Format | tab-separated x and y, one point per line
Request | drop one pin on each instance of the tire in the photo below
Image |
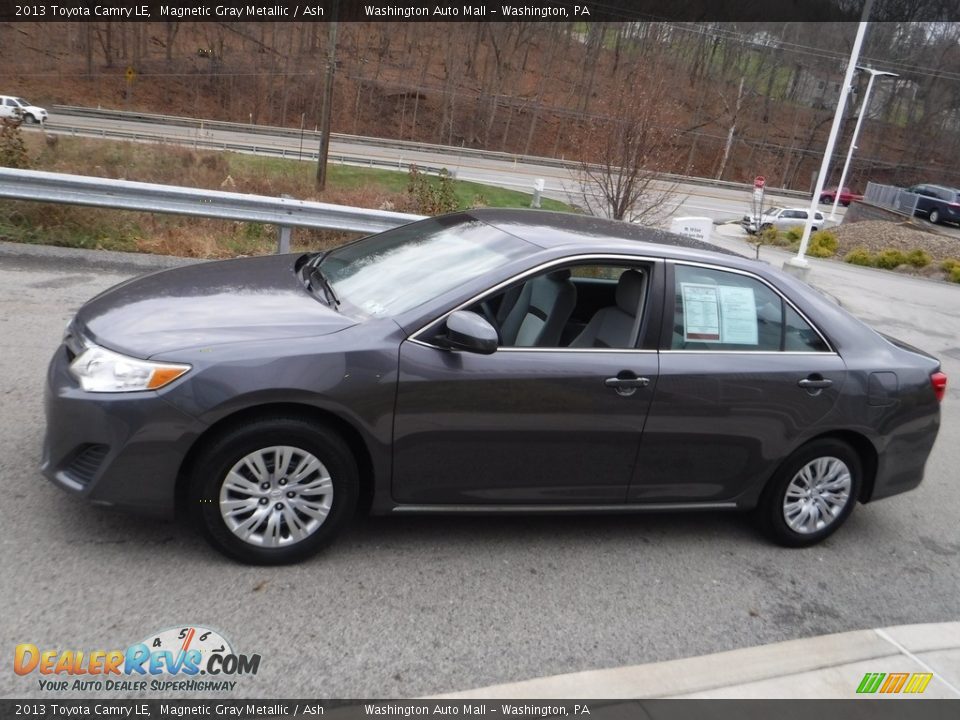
840	474
257	517
934	216
824	199
766	226
29	119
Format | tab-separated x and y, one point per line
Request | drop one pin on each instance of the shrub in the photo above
794	234
949	264
889	259
918	258
432	197
955	274
822	244
768	236
860	256
13	151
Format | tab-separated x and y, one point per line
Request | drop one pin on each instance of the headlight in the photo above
101	370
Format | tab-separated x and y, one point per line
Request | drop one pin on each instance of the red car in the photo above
846	196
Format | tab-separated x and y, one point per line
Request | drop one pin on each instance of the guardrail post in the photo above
283	240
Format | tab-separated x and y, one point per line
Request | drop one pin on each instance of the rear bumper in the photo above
901	466
116	449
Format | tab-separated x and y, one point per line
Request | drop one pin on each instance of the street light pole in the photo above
856	133
799	262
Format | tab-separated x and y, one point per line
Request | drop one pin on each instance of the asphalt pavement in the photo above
414	606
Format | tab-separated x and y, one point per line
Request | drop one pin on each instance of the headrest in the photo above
630	291
559	275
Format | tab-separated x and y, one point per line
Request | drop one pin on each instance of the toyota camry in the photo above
494	361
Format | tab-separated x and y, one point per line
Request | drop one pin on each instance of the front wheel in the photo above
824	199
274	491
811	494
30	119
934	216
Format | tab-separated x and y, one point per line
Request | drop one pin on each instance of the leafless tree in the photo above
621	159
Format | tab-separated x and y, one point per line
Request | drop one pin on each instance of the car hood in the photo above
208	304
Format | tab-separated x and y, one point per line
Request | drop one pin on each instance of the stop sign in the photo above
759	181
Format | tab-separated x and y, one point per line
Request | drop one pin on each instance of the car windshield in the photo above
773	210
398	270
23	103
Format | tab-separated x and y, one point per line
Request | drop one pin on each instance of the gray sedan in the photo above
486	362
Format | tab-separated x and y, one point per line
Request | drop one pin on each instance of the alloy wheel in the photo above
276	496
817	495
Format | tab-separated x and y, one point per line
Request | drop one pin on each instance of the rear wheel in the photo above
274	491
934	216
811	494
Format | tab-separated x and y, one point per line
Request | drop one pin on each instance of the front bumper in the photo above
117	449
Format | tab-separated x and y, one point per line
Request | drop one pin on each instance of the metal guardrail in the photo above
214	125
892	198
285	213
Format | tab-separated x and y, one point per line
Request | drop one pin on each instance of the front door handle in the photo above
626	383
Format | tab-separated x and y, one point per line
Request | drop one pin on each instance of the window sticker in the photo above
701	312
719	314
738	315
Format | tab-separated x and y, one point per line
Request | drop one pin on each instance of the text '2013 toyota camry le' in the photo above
490	361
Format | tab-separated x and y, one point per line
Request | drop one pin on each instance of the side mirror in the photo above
468	331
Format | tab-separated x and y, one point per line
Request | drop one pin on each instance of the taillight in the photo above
939	382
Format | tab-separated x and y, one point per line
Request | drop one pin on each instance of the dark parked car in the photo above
938	203
490	361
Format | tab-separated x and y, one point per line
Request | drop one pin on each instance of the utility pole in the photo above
326	106
799	263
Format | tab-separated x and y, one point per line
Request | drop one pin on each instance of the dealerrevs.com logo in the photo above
184	659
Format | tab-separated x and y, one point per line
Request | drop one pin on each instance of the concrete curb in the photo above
101	259
829	666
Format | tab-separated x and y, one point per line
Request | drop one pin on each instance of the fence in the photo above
890	197
285	213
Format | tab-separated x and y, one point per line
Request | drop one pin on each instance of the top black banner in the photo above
502	11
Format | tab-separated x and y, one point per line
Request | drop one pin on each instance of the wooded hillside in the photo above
532	87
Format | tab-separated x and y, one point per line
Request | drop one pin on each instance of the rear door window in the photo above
717	310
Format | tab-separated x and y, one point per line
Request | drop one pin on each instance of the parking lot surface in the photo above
411	606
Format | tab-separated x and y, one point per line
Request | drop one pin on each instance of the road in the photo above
409	606
561	184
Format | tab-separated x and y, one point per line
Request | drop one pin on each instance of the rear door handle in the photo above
626	383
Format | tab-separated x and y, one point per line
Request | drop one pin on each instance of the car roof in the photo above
549	229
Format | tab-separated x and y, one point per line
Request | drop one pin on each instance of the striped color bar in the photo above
893	683
918	682
870	683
